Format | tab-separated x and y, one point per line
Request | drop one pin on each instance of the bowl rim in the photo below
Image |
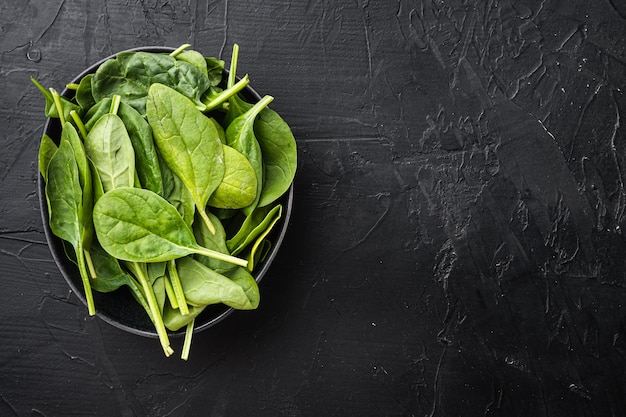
62	262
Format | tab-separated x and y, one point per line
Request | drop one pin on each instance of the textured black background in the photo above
457	242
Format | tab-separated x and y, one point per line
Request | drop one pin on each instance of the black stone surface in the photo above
457	243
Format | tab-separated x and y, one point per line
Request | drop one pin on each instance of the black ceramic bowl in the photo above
119	308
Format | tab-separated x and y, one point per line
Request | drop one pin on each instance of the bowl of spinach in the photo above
166	188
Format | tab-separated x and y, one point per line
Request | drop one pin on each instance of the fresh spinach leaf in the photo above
51	108
175	192
110	148
131	74
138	225
83	94
253	226
215	70
280	155
65	208
47	149
204	286
174	320
196	59
188	142
238	188
146	157
214	241
240	135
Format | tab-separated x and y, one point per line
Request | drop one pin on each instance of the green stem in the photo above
226	94
177	287
180	49
187	344
170	293
90	267
85	278
115	104
79	124
220	256
260	105
206	219
72	86
232	75
152	303
57	102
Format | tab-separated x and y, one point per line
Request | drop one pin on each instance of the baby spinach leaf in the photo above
188	142
240	135
138	225
109	147
158	288
130	75
256	251
174	320
70	135
254	225
194	58
220	130
238	188
175	192
51	108
214	241
47	149
83	96
203	286
65	208
64	195
98	110
215	70
146	158
246	281
278	147
110	275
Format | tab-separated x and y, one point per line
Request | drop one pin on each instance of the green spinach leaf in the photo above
280	155
188	142
238	188
65	208
131	74
138	225
47	149
110	148
203	286
240	135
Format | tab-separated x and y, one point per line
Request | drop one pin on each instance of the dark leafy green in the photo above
131	74
138	225
188	142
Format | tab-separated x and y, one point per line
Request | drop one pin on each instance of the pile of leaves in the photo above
165	180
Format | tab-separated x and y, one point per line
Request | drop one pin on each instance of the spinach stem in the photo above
80	259
220	256
206	219
90	267
79	124
57	102
180	49
152	303
226	94
187	343
260	105
177	287
232	74
170	293
72	86
115	104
